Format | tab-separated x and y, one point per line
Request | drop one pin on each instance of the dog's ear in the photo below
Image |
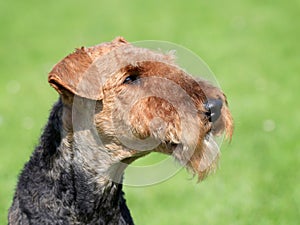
77	74
67	75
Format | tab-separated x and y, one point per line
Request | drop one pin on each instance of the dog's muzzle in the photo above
213	107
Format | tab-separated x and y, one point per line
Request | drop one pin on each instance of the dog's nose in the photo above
213	107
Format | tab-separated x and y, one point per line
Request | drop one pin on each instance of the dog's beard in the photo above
200	159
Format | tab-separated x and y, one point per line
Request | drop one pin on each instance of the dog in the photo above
117	103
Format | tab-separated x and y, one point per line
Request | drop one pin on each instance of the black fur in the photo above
63	195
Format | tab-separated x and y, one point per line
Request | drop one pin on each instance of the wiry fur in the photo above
101	123
54	188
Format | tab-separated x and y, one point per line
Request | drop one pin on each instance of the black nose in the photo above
213	107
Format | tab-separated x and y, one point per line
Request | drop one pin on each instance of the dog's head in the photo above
138	101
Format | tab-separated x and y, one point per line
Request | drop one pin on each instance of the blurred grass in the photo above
252	47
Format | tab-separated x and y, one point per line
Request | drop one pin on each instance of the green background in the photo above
252	47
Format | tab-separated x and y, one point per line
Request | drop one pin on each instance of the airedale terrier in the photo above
117	103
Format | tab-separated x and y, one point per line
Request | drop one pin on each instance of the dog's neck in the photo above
90	177
81	142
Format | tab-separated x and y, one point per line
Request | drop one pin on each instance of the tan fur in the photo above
163	112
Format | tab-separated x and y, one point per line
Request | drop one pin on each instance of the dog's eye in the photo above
131	79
